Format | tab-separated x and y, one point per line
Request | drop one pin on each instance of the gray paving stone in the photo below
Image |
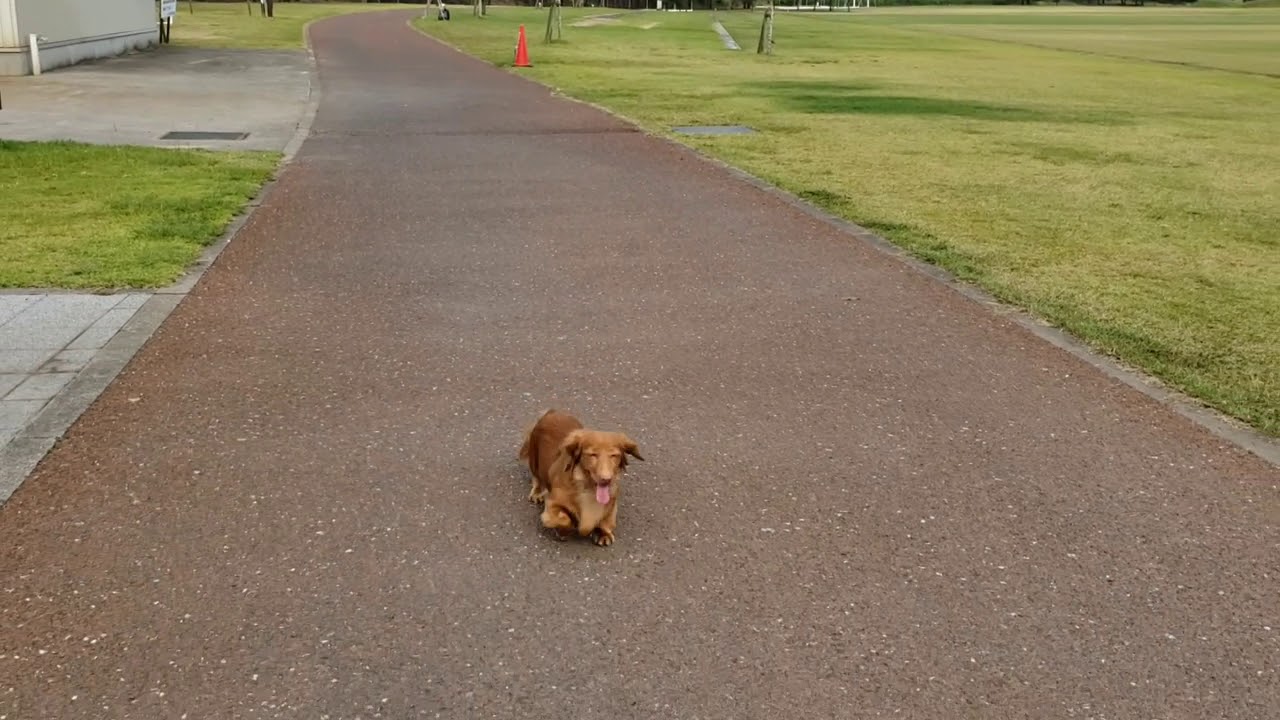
11	305
38	337
9	382
23	361
41	387
65	310
101	332
133	301
87	301
68	361
54	321
14	414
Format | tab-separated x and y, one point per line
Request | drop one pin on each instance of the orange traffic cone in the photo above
522	51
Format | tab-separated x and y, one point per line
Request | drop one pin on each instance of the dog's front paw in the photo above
556	518
603	538
537	496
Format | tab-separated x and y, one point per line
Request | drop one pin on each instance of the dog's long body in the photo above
575	473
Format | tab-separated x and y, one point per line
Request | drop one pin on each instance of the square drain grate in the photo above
203	135
714	130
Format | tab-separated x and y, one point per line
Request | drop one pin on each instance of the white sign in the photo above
168	8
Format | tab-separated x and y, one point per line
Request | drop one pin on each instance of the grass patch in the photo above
1240	40
1130	200
94	217
229	25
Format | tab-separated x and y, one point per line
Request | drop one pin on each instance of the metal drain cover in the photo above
203	135
714	130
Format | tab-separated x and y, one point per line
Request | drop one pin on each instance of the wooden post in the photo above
766	32
555	30
769	40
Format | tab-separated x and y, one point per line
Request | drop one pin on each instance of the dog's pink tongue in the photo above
602	494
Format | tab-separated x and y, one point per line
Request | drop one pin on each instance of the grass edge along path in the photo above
107	217
1194	356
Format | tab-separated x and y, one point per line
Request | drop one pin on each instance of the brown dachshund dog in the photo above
575	474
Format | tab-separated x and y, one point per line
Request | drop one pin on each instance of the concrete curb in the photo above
725	37
20	457
1217	423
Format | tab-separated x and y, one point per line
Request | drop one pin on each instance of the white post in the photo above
35	54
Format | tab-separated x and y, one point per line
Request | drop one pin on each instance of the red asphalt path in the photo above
864	496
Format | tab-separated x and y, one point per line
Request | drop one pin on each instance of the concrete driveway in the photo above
137	99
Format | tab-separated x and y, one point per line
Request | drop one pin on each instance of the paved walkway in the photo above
864	495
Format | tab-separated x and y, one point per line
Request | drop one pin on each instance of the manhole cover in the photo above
714	130
200	135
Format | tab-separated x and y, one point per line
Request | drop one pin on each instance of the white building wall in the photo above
62	20
73	30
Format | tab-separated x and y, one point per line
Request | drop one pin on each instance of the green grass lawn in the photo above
1243	40
100	217
1131	202
229	25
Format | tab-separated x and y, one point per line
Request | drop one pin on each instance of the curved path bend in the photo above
864	496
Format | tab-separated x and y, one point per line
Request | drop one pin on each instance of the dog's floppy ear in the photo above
629	447
572	446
